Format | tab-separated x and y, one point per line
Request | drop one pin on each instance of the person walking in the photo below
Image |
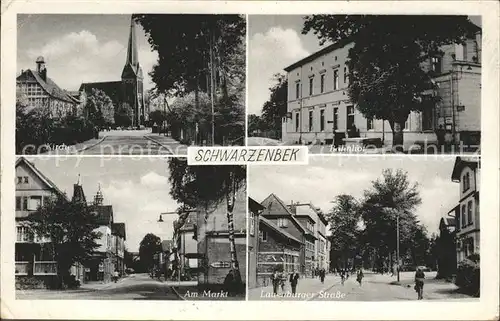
275	280
294	279
419	283
116	276
282	280
342	276
359	276
322	273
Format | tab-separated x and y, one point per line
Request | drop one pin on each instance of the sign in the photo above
220	265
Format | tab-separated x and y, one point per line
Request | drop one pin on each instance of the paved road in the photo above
125	142
134	287
375	287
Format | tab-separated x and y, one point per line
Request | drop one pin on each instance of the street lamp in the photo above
397	240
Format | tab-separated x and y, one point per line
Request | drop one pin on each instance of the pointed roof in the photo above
78	194
41	176
460	163
282	210
132	67
48	85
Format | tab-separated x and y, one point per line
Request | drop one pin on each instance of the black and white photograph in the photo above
123	229
366	84
391	230
140	84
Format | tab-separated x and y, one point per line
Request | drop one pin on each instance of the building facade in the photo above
320	112
129	92
466	172
33	254
41	92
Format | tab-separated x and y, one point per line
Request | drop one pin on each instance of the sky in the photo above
326	177
276	42
137	189
80	48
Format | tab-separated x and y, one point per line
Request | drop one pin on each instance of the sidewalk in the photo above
307	289
169	143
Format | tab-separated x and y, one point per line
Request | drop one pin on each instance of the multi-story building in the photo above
202	240
270	248
315	221
40	91
320	112
466	172
33	254
119	236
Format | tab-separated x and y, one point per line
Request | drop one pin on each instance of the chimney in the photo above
40	67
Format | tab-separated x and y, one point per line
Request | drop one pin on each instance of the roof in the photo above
78	194
45	179
104	214
460	163
327	49
119	229
254	205
272	226
112	88
286	211
48	85
446	222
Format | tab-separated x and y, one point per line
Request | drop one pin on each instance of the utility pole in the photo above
397	244
212	83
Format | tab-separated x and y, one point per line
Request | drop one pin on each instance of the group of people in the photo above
278	280
321	273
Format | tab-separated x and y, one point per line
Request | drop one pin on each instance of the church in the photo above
127	93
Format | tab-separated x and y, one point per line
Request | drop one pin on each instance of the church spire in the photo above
132	55
98	198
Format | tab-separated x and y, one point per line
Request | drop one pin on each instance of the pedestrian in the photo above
359	276
275	281
419	283
282	281
440	134
116	275
294	279
342	276
322	273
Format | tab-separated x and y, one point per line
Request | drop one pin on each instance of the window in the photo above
310	120
427	119
350	117
346	75
252	223
311	85
369	123
322	120
466	182
407	123
436	64
335	79
297	90
25	203
19	203
23	234
310	226
264	236
335	118
282	222
297	122
464	221
322	83
25	179
19	180
34	203
469	213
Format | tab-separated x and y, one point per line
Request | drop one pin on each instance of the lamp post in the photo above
397	240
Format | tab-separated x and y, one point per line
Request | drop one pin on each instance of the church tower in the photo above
98	198
132	88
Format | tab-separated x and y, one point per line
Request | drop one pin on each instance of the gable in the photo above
36	180
274	206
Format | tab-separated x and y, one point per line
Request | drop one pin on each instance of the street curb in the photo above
162	145
90	146
177	293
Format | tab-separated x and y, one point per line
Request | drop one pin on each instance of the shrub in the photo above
468	275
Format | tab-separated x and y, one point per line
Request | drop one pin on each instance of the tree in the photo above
100	108
123	115
390	196
344	218
386	75
157	117
276	107
255	124
70	226
149	246
207	187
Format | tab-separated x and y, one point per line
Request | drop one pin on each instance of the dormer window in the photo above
282	222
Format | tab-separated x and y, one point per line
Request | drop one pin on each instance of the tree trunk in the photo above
230	199
212	84
397	136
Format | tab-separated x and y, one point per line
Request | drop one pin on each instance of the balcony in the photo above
22	268
39	268
45	268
